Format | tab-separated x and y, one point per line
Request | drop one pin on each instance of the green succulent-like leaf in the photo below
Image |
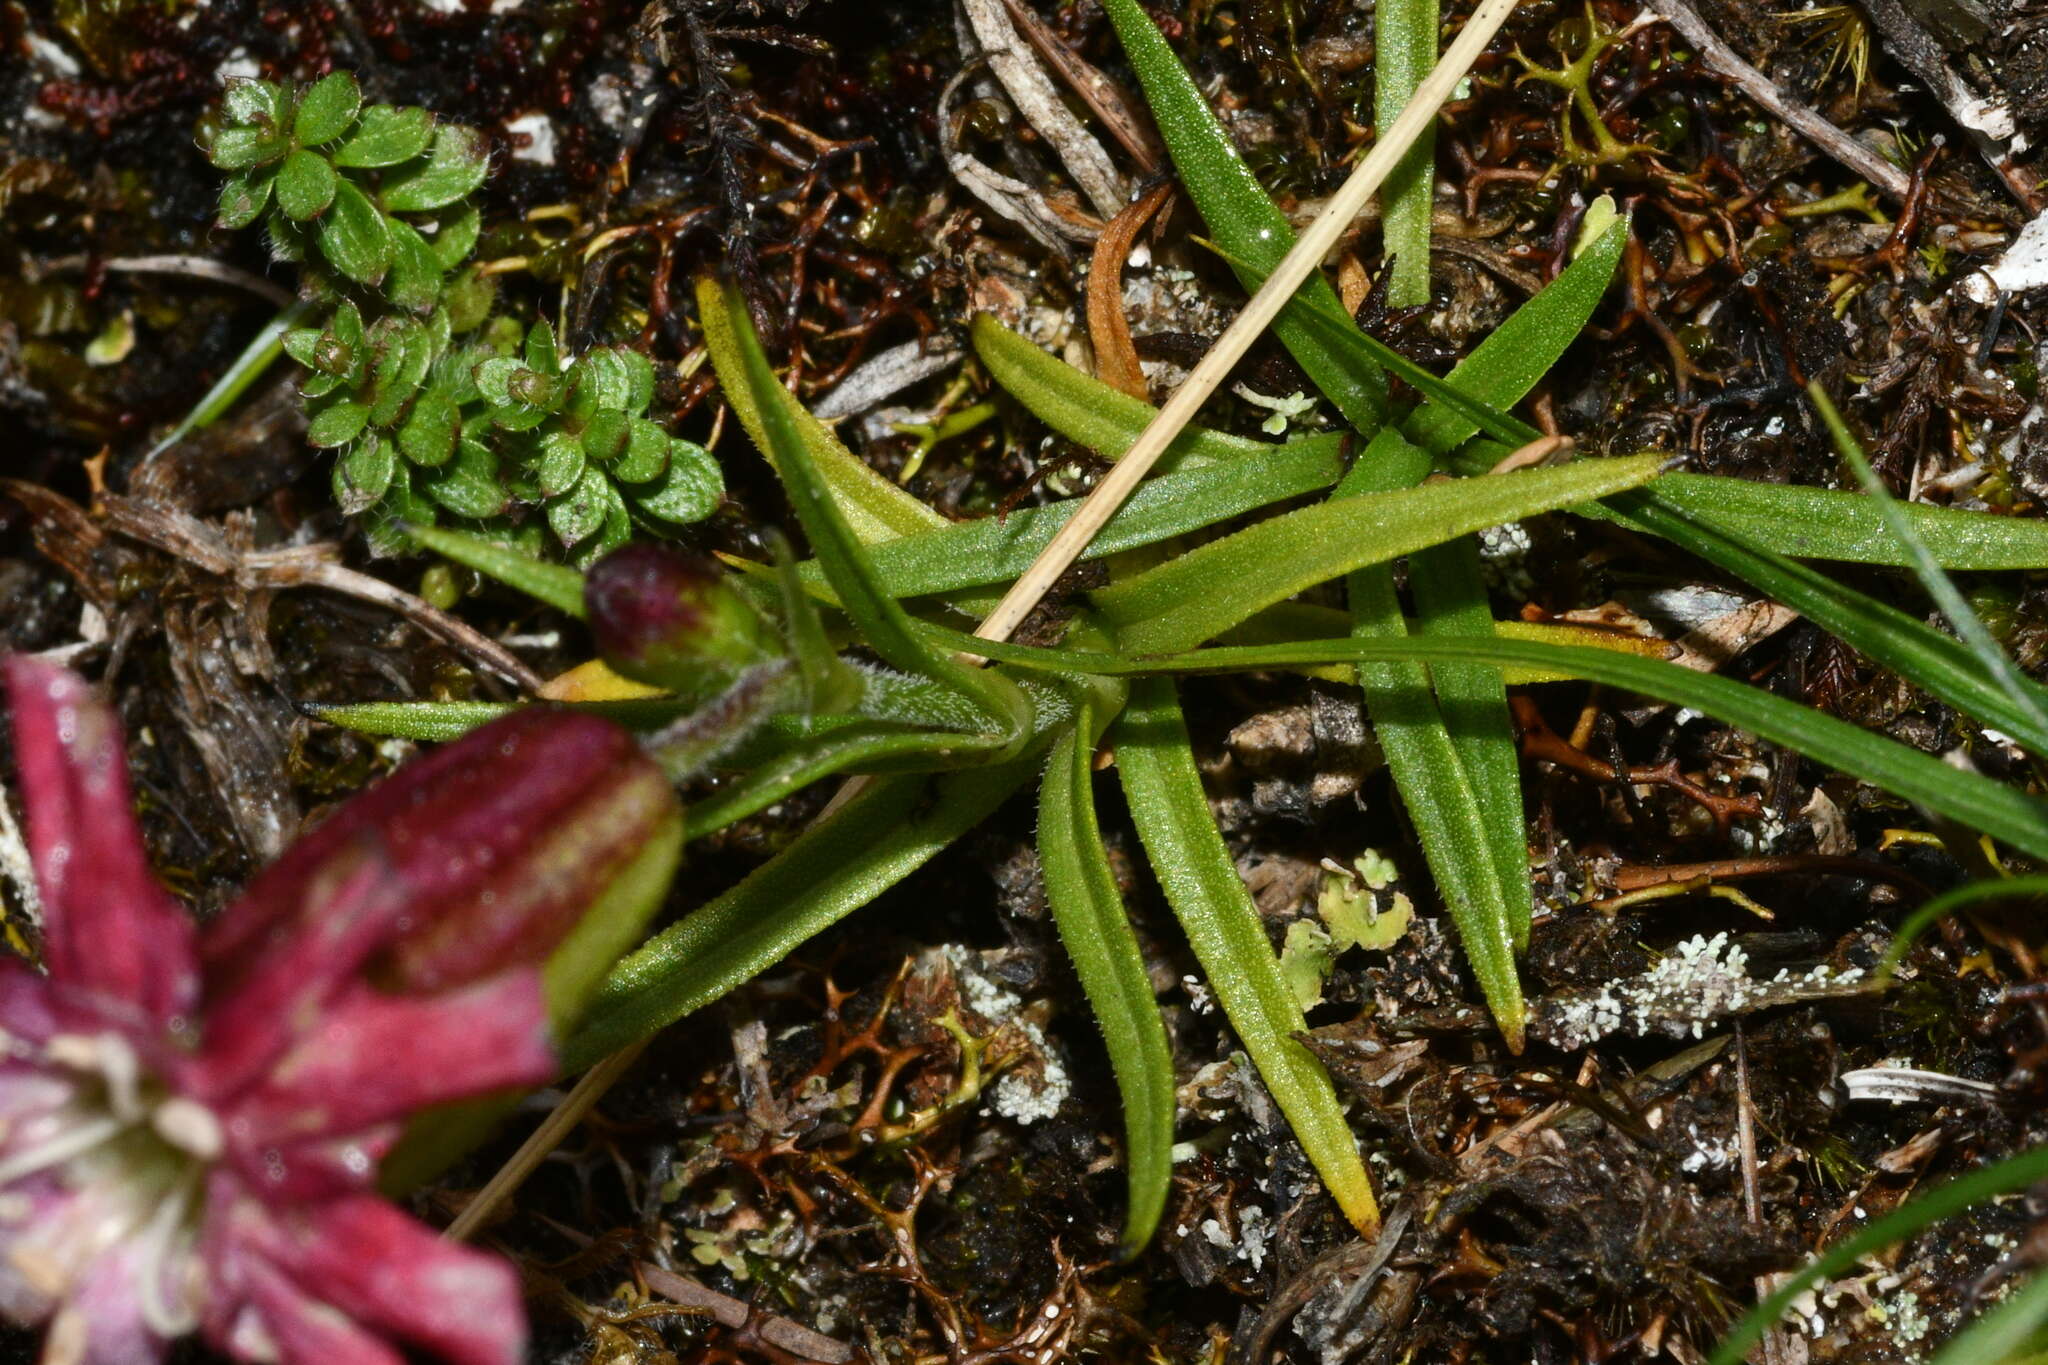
616	528
450	171
602	377
337	424
542	355
561	464
243	198
467	485
605	438
457	236
639	381
579	512
468	298
405	352
354	237
415	279
494	380
688	489
386	136
303	344
429	434
321	385
327	109
646	454
259	102
239	147
305	185
363	474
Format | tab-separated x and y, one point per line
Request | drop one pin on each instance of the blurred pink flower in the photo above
191	1123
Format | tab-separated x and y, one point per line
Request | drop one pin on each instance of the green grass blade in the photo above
1994	660
1515	355
1947	903
1405	46
1969	798
1429	770
1210	589
1209	898
1451	601
1929	659
883	624
1243	220
875	508
832	869
2013	1325
1089	911
1957	1196
556	585
258	356
1826	523
998	549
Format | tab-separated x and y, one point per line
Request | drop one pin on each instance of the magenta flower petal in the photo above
375	1057
501	838
352	906
403	1278
108	928
361	1258
272	1321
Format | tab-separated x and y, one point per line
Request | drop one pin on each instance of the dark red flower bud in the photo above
671	619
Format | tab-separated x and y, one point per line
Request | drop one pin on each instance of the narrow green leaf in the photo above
1946	1201
386	136
354	236
1208	590
998	549
253	361
1244	221
833	868
1929	659
1826	523
1451	600
1081	890
884	626
327	109
1968	798
452	169
554	584
1950	901
1455	827
1515	355
876	508
2012	1325
1223	927
1405	48
2021	691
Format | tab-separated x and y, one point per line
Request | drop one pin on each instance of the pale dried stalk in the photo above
1314	244
564	1117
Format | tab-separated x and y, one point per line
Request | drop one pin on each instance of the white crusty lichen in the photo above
1035	1086
1699	983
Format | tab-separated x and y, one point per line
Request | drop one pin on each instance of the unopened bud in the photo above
669	618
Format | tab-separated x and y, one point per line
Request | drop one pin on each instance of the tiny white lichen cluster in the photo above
1503	555
1254	1230
1022	1094
1700	982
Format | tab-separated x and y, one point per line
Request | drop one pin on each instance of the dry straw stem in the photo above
1308	253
